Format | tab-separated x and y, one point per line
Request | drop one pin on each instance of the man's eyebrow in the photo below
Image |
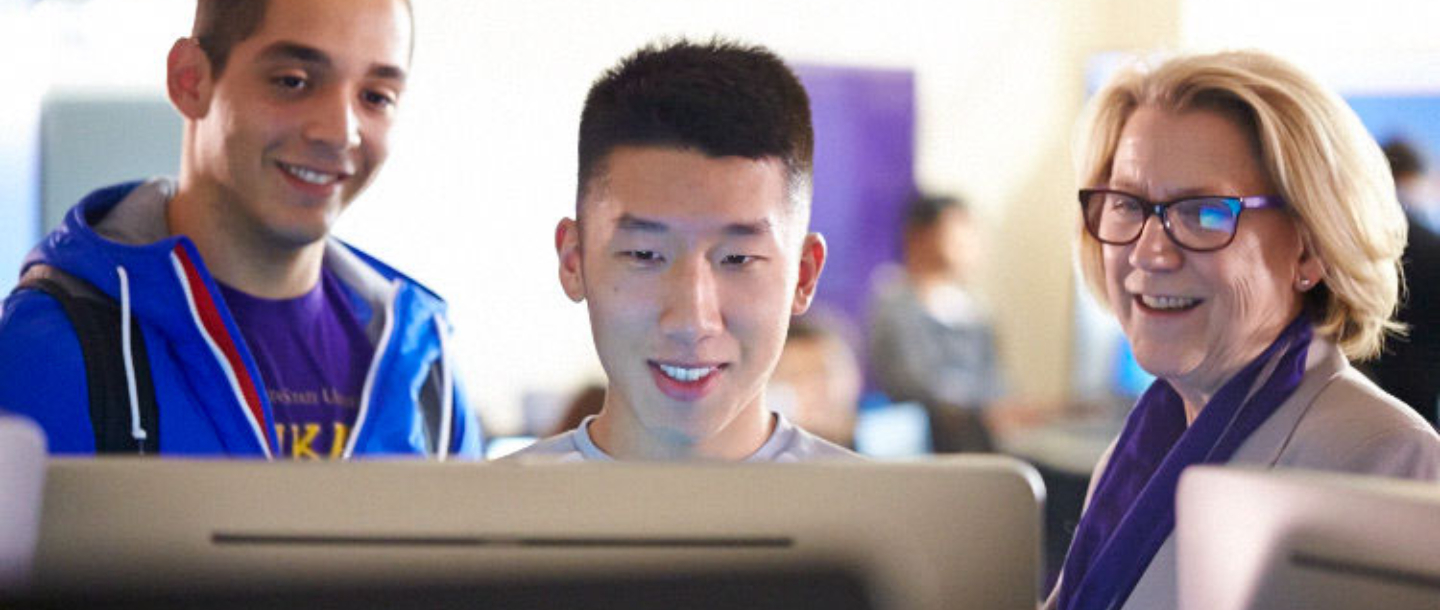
749	229
387	71
294	51
630	222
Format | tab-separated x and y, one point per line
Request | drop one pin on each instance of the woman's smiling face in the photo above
1196	318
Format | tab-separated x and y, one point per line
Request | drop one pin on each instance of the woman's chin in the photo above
1168	365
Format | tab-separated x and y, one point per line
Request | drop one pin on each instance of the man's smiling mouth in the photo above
687	374
310	176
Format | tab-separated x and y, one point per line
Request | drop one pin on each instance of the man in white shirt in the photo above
691	250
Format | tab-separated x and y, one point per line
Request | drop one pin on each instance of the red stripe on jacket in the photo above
210	317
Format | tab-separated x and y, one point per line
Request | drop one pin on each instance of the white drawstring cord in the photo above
447	393
137	431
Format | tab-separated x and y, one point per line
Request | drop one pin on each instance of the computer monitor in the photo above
947	533
1251	539
22	469
893	431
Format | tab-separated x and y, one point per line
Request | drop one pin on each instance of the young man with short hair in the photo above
690	248
243	327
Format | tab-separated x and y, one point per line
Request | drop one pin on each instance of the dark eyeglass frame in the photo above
1152	208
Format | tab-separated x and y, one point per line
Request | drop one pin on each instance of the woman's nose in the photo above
1154	250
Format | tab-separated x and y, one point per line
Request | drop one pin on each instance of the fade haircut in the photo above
222	24
720	98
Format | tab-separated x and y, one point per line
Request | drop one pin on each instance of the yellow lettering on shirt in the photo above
302	444
337	444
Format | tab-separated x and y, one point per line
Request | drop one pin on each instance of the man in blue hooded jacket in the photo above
256	332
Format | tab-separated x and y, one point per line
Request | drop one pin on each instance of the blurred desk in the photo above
1065	452
1068	446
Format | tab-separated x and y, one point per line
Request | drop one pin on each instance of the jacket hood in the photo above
118	240
124	226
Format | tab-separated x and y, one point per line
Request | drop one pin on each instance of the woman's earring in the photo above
1304	284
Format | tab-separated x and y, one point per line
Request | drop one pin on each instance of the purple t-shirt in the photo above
313	354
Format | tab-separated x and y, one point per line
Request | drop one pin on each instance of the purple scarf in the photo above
1132	510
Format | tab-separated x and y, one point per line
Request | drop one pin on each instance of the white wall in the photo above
1389	45
19	157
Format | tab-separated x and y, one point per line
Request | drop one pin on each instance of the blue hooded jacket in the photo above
208	391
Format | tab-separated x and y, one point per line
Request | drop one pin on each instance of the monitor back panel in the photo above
1252	539
952	533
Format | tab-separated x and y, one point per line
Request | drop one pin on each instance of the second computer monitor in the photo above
1253	539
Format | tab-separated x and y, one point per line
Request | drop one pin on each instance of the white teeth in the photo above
309	175
1155	302
680	373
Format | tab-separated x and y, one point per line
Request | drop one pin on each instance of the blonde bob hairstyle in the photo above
1314	149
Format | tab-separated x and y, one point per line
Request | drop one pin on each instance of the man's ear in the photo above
567	248
188	78
812	262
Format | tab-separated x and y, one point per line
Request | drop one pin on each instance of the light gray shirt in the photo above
788	443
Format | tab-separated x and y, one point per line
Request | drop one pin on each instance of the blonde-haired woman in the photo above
1243	228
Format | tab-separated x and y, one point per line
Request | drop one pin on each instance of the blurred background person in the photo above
1242	227
932	340
1414	186
817	382
1409	368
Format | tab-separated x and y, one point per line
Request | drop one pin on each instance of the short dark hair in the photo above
721	98
222	24
924	209
1404	159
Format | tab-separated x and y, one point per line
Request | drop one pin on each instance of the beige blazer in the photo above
1337	420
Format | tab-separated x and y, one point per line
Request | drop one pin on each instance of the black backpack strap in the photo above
96	319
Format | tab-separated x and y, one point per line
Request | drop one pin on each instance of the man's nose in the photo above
333	120
692	304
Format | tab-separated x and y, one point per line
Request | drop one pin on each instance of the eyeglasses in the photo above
1199	224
